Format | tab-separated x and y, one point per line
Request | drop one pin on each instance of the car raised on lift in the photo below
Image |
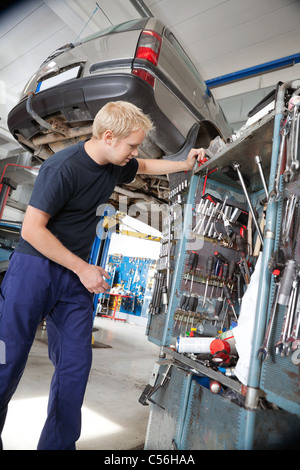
138	61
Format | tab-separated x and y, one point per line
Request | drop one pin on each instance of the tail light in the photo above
145	76
148	49
149	46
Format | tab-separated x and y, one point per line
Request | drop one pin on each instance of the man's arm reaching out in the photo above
165	167
35	232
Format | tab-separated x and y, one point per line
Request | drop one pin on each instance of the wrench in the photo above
288	339
294	325
237	167
285	300
203	210
296	353
263	350
296	357
213	214
292	162
295	162
288	218
262	176
281	345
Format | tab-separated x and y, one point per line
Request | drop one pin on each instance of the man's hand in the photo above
154	166
92	277
196	154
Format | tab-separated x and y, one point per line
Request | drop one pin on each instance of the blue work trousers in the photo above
33	289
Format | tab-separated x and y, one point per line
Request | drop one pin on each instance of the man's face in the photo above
123	150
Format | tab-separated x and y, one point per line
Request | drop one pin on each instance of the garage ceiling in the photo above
220	36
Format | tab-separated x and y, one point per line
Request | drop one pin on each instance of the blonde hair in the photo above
122	118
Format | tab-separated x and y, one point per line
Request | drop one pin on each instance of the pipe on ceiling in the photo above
250	72
141	8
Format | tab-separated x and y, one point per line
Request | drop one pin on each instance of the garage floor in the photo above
112	417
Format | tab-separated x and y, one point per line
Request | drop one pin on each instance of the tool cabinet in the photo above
263	410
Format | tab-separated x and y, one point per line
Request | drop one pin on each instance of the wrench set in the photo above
215	219
289	158
286	299
286	281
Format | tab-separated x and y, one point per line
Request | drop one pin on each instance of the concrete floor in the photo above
112	417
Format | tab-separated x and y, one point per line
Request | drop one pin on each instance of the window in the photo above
119	28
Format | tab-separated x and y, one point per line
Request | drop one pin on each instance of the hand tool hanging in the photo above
192	307
290	207
276	266
262	176
192	265
155	304
209	268
243	264
292	162
237	166
216	272
287	293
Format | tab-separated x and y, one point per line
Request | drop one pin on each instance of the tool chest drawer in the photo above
214	422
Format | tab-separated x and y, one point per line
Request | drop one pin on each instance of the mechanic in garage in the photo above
49	275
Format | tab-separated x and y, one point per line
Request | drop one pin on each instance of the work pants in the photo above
33	289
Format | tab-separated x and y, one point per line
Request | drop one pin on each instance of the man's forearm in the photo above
35	232
160	167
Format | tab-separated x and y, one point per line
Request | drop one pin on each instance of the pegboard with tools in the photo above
215	270
132	277
173	216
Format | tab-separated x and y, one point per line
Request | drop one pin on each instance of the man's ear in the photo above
108	136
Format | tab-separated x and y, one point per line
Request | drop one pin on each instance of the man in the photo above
49	275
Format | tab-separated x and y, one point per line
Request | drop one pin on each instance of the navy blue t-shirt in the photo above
70	187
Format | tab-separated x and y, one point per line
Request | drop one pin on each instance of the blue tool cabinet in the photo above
264	413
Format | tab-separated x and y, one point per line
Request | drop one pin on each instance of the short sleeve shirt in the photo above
70	187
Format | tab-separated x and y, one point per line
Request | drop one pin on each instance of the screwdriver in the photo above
224	274
192	306
241	248
232	268
218	306
209	268
192	263
217	268
229	299
184	301
183	306
219	256
239	287
220	301
193	303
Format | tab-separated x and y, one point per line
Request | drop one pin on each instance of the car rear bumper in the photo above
80	99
